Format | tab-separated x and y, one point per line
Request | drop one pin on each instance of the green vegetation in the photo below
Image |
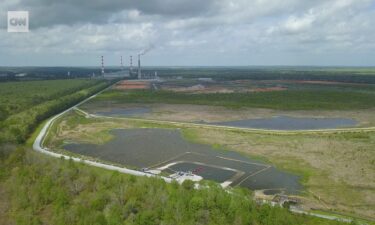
341	74
41	190
36	189
285	100
335	168
51	100
15	97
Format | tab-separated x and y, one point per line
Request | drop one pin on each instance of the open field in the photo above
214	114
337	169
282	100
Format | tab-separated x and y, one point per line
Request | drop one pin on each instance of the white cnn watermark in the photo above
18	21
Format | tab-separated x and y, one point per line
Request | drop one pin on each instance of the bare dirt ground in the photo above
241	86
132	84
199	89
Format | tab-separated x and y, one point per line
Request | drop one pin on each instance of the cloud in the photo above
270	29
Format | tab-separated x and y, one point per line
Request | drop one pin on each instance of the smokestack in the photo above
131	64
102	66
139	67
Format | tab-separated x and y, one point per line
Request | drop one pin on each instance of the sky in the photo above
191	32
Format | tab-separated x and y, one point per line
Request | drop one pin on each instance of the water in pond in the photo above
124	111
291	123
155	148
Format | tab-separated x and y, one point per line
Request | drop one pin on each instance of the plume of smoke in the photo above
144	51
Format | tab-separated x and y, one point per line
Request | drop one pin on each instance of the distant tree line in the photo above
269	73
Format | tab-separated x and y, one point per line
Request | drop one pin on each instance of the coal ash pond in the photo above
156	148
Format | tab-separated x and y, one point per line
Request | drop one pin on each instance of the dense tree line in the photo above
18	96
42	190
49	73
16	128
349	75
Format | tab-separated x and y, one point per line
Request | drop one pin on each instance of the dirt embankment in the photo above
202	89
131	85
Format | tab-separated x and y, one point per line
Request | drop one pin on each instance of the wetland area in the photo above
131	128
276	122
155	148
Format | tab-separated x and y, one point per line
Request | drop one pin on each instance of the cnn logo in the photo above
18	21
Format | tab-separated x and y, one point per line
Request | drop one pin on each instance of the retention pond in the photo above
167	150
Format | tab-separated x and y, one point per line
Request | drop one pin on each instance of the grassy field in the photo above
285	100
336	169
216	114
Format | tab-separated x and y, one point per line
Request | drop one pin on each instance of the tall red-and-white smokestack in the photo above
102	66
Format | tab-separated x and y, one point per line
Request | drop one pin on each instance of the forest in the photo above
37	190
24	108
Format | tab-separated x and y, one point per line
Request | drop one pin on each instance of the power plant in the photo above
131	65
113	74
131	72
139	67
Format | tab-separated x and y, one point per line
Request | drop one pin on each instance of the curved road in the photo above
38	146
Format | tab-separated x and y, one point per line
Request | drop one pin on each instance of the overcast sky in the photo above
191	32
